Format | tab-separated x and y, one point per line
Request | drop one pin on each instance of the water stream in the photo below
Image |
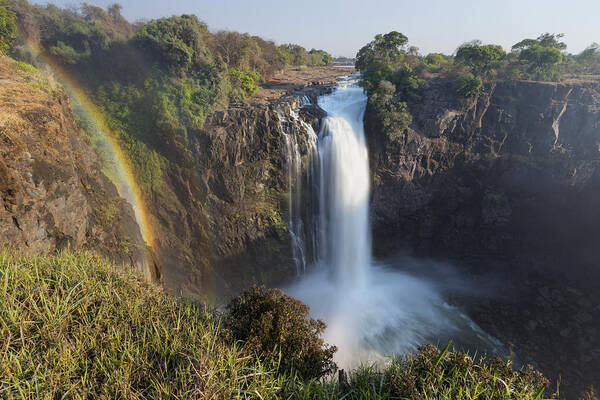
372	310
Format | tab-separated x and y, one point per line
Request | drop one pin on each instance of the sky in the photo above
342	27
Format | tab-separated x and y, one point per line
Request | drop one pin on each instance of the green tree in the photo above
7	27
390	112
294	54
246	80
435	62
481	59
320	57
468	85
176	42
589	59
377	60
542	57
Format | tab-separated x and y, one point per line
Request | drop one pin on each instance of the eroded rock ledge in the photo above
505	185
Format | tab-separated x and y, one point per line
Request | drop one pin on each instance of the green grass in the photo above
25	67
73	326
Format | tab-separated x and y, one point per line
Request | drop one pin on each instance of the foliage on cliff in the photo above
277	328
394	75
7	27
390	79
155	82
74	326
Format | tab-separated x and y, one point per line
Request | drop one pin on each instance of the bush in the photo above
468	85
445	375
7	27
247	80
275	327
391	113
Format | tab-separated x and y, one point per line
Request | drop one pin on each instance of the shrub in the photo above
247	80
467	85
7	27
275	327
445	375
391	113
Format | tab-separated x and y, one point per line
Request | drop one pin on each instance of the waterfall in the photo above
372	310
295	130
344	187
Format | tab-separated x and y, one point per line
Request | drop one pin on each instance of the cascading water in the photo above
372	311
344	187
289	122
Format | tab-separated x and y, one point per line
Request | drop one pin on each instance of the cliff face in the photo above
483	175
505	184
222	222
52	193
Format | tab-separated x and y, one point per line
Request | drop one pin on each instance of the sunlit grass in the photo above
73	326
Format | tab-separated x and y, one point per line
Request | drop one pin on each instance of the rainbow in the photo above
120	170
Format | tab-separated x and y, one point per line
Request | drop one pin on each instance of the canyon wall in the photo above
53	195
506	185
222	221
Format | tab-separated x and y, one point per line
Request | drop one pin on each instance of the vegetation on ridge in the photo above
154	82
7	27
74	326
394	74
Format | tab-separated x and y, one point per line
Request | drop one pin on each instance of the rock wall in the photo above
53	195
507	185
516	167
221	221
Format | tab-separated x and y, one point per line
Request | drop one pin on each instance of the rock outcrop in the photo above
222	220
53	195
506	184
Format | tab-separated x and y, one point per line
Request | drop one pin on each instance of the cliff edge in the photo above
53	195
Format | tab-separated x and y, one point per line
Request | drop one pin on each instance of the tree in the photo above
378	59
589	59
542	56
319	57
390	112
294	54
481	59
545	40
7	27
435	62
388	48
176	42
467	85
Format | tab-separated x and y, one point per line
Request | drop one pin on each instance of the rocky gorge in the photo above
504	185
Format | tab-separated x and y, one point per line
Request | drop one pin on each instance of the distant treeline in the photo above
394	74
155	81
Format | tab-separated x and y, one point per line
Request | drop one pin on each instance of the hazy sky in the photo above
343	26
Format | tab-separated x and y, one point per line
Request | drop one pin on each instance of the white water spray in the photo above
372	312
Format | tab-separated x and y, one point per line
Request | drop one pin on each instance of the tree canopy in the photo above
542	56
482	59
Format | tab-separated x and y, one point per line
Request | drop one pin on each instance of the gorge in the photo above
420	199
373	311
